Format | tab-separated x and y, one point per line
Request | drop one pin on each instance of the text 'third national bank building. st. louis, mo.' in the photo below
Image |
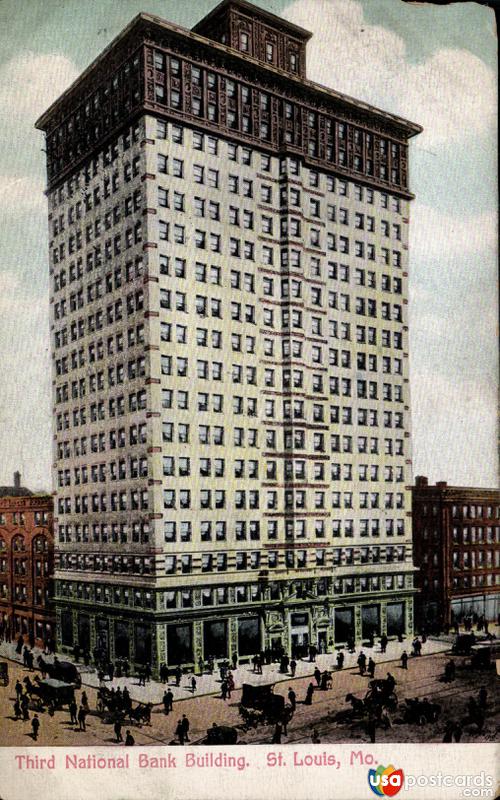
229	325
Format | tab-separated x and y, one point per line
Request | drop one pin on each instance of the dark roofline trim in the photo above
255	11
142	19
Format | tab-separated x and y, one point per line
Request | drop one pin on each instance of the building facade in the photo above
229	283
26	563
456	540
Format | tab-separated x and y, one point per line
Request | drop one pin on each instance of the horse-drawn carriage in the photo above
118	707
50	691
4	673
380	695
420	712
220	735
463	644
63	671
260	706
484	654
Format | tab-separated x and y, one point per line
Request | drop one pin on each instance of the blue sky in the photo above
435	65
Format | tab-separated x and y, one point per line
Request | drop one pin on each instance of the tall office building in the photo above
229	280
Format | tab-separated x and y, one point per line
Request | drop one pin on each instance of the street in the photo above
421	679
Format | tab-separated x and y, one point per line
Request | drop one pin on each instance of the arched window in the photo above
3	545
18	544
40	544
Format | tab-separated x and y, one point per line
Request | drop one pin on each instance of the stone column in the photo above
358	628
383	619
198	644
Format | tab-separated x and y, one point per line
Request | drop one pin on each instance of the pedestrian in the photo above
312	653
118	731
309	695
81	718
163	673
180	732
315	737
483	697
292	697
35	727
19	689
362	663
142	677
340	660
170	700
371	728
230	683
148	672
126	699
111	670
178	676
277	734
25	655
317	675
166	708
17	710
85	701
193	684
371	667
76	653
20	643
404	660
73	710
234	659
293	667
185	727
25	707
129	739
223	689
51	709
390	682
383	643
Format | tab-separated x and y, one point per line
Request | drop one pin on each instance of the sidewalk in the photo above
210	684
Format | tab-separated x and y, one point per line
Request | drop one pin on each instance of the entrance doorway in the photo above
322	641
299	635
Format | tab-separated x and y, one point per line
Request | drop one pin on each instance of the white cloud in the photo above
450	94
462	418
435	234
29	83
20	194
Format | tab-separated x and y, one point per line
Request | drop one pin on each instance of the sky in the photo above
435	65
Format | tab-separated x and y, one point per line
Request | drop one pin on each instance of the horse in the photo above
358	705
141	713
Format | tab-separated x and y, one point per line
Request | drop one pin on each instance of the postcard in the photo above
249	512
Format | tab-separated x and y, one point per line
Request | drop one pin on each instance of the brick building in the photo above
229	322
26	563
456	541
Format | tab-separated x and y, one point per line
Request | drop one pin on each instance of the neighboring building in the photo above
456	541
26	563
229	283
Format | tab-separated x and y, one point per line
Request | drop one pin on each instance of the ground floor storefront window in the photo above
395	619
344	624
370	621
249	636
179	644
215	639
